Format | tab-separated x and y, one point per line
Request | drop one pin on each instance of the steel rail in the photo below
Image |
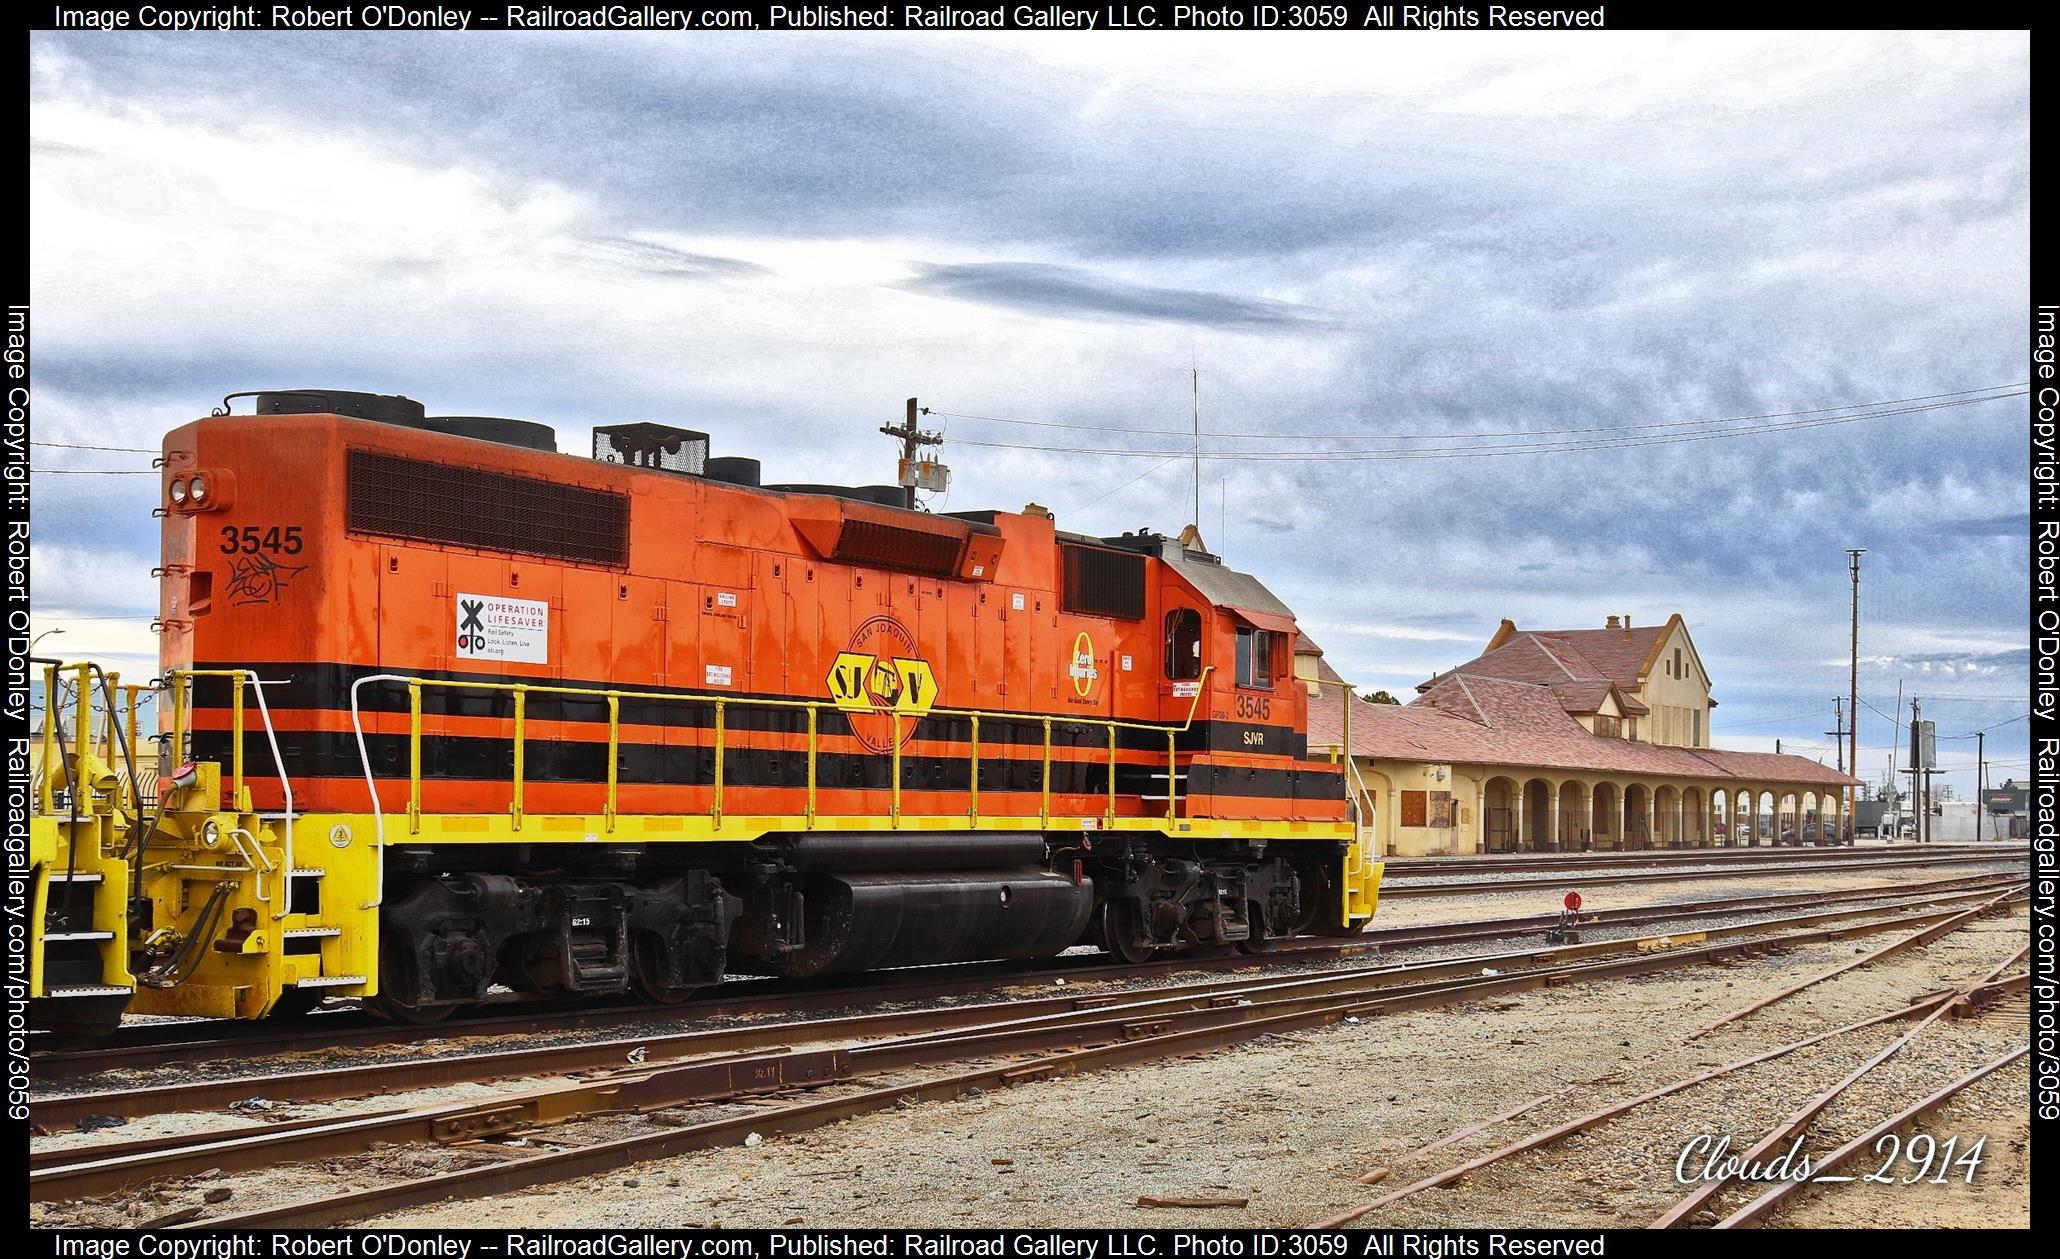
1761	1205
1796	1124
1911	941
1490	862
1393	887
1928	1007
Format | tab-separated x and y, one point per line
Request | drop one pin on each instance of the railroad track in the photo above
1067	1034
1405	885
158	1045
1643	858
1992	990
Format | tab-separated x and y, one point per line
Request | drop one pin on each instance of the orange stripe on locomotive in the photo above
331	548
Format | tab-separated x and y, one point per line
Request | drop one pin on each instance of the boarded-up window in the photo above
1441	809
1413	803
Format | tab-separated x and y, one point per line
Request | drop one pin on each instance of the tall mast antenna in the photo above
1196	380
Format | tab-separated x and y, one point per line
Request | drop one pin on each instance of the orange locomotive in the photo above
638	721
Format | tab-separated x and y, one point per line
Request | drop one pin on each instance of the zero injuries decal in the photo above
880	674
493	627
1083	670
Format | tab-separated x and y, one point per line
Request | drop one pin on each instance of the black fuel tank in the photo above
870	921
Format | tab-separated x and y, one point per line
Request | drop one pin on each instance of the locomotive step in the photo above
89	990
329	981
58	937
311	933
73	878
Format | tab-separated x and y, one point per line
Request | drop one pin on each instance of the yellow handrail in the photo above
522	690
521	708
46	798
717	814
614	738
1044	778
236	747
973	782
82	742
414	755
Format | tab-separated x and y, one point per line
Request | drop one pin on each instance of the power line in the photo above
1535	432
1766	721
1478	452
1985	729
1127	484
94	471
123	450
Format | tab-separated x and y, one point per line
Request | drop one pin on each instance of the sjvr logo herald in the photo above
880	674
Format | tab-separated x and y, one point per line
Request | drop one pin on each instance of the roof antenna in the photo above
1195	370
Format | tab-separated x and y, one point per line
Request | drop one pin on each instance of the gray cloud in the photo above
658	259
1043	288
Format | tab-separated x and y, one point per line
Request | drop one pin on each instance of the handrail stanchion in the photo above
414	757
82	744
1172	775
1044	778
45	797
1110	820
720	714
521	725
132	691
614	743
107	733
973	808
894	804
811	765
236	792
178	718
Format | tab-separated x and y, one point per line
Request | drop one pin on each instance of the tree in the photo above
1382	697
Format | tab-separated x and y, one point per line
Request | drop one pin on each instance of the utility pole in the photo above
1837	733
912	439
1980	781
1920	774
1895	746
1852	733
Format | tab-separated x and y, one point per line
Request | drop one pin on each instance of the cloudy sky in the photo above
1404	240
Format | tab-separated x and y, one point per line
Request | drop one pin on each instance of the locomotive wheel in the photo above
1260	940
642	977
395	974
1122	935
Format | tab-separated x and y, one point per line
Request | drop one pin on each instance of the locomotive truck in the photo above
444	714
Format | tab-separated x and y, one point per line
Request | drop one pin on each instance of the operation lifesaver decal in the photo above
495	627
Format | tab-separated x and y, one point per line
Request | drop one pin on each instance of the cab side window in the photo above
1255	658
1183	644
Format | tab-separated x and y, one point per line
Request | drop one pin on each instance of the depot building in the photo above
1565	741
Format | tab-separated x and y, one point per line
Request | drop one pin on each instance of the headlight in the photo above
179	491
199	485
211	834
